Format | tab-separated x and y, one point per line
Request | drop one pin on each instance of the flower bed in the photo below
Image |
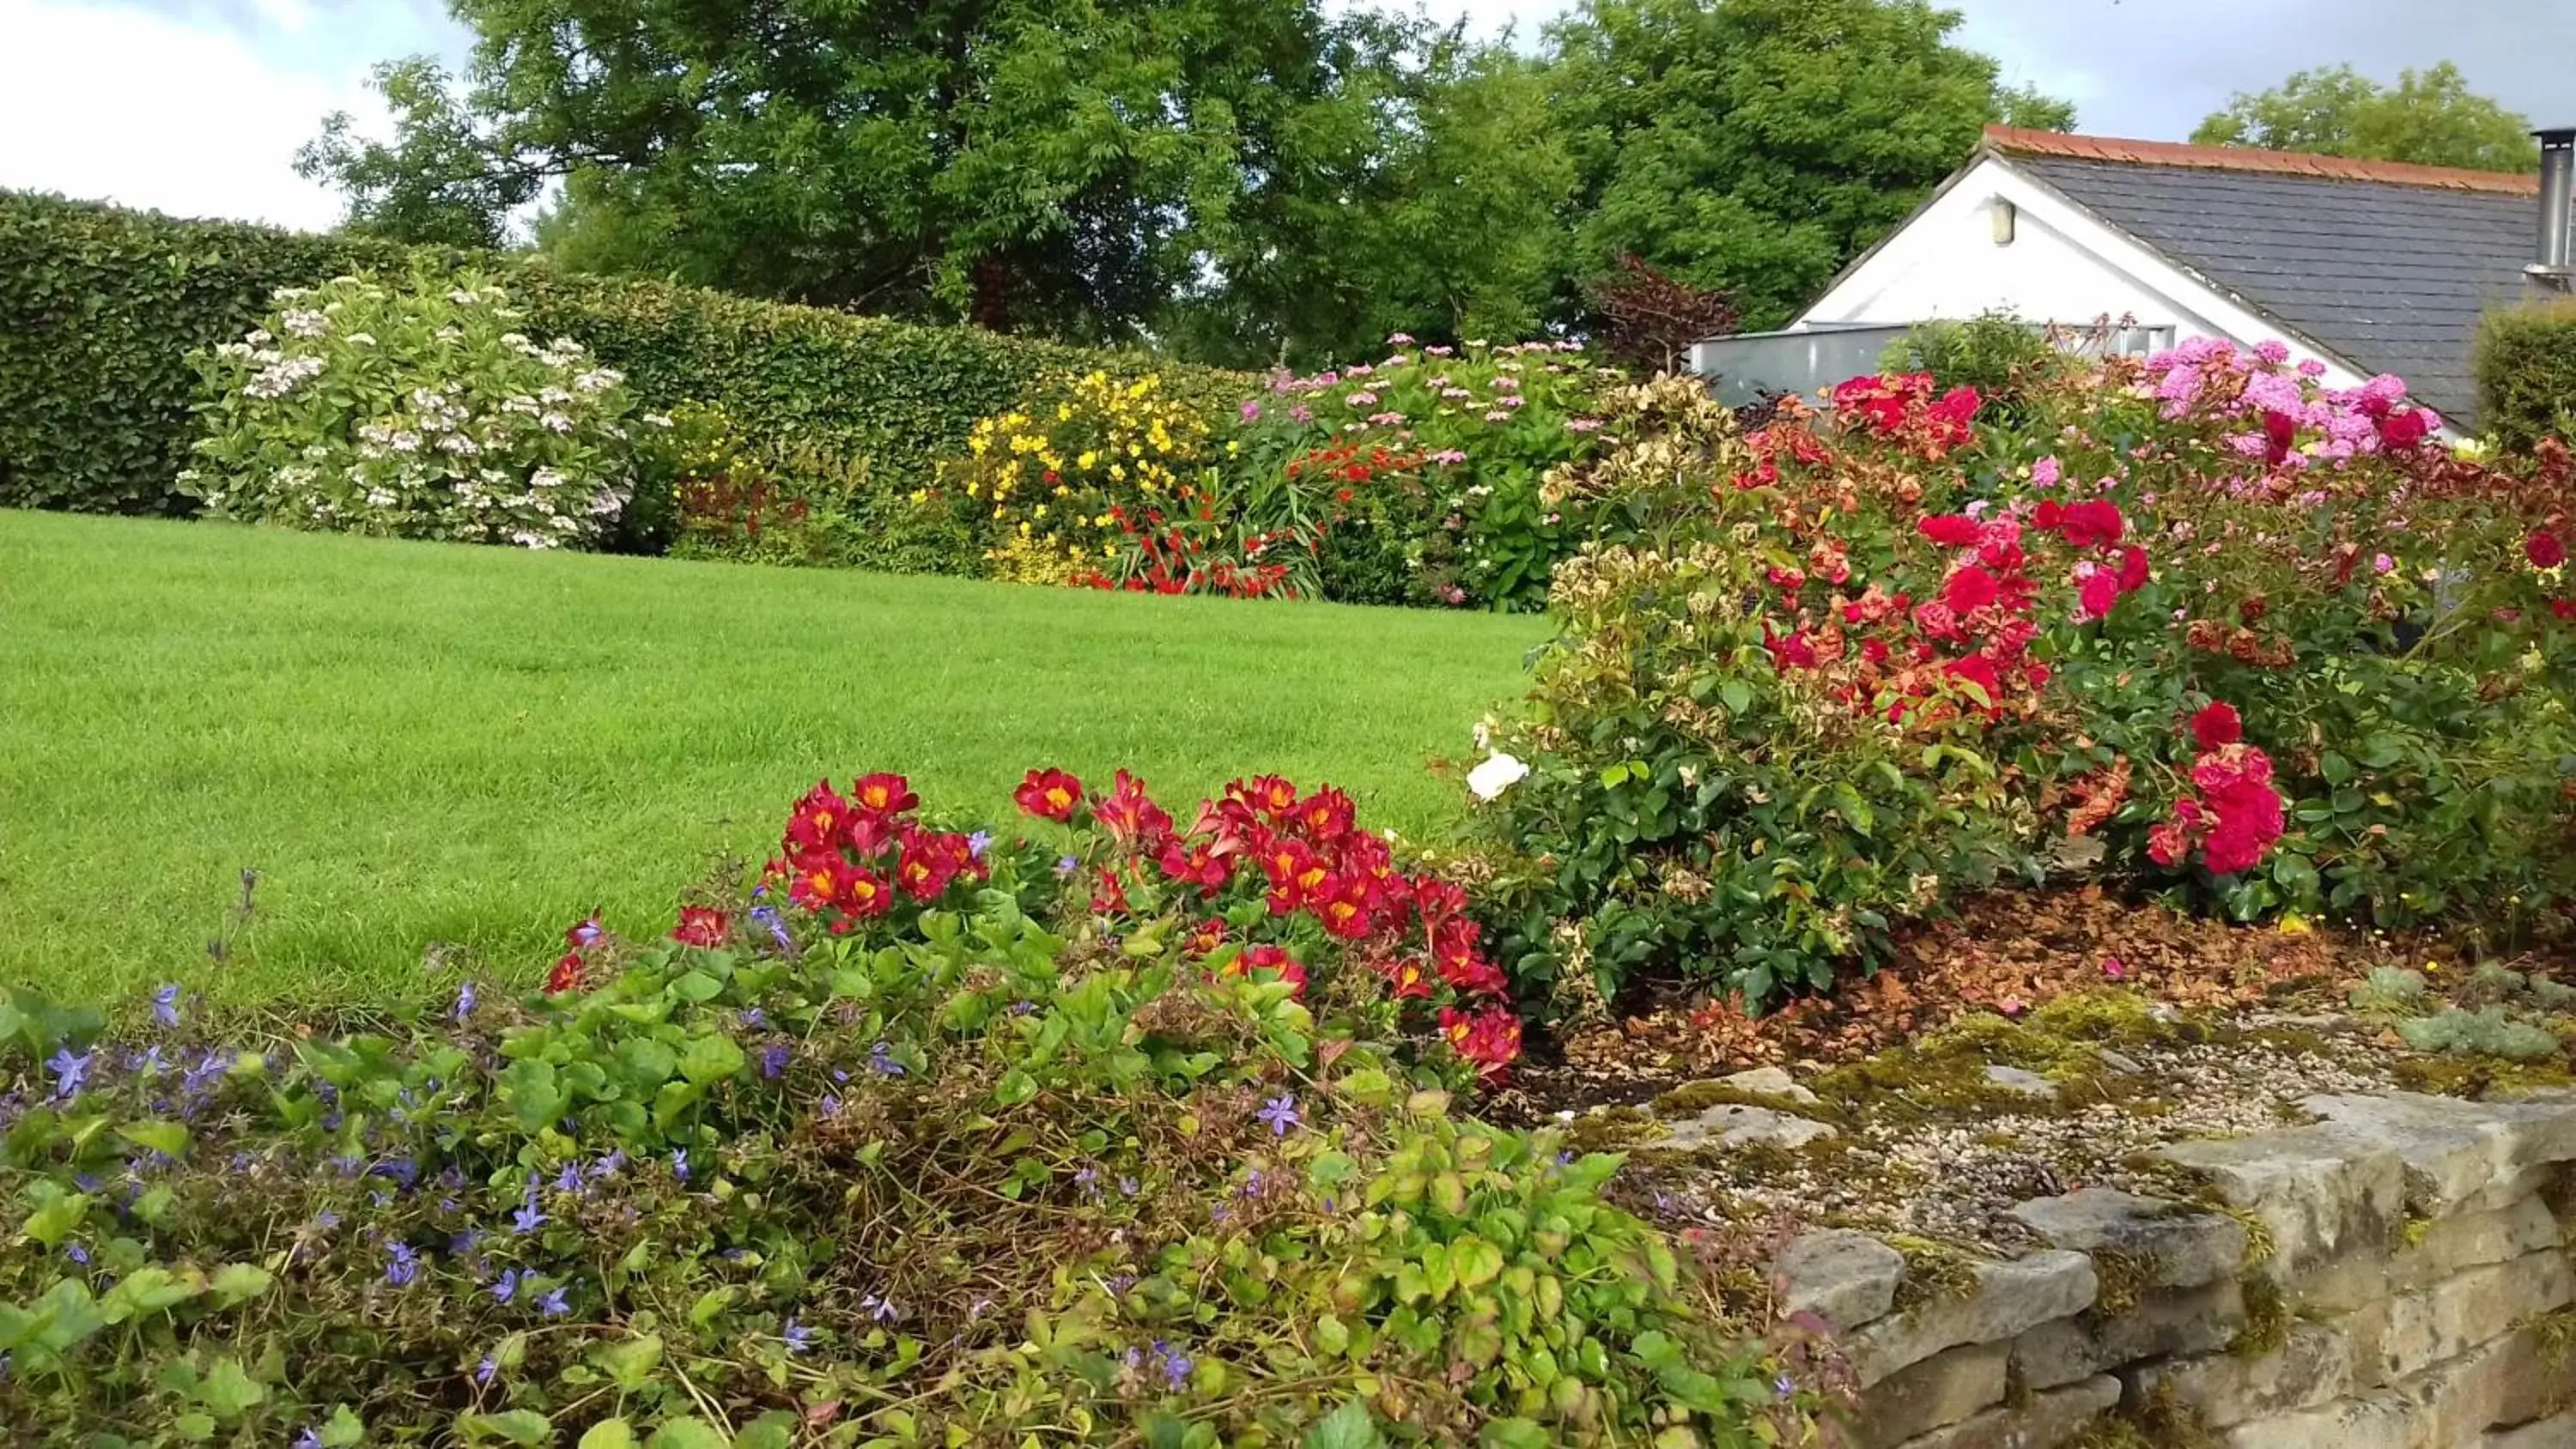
2196	622
1116	1129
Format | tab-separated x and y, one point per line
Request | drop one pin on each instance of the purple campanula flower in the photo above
978	843
71	1069
569	1180
508	1285
551	1303
486	1371
310	1439
680	1163
165	1005
1281	1113
607	1167
1067	865
798	1336
1784	1386
773	1061
326	1220
402	1265
881	1061
1088	1180
461	1245
768	916
880	1309
1176	1364
1126	1187
76	1253
1565	1158
528	1219
464	1000
401	1170
754	1018
831	1104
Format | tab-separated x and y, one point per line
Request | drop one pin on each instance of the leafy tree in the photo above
1433	211
2429	117
1045	163
1754	146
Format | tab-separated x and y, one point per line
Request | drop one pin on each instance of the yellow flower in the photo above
1234	449
1118	471
2295	925
1088	459
1063	413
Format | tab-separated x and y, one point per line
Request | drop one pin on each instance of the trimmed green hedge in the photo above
2526	365
99	307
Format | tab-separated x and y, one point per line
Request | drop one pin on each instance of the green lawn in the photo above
417	743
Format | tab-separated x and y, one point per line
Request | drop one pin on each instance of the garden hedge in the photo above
99	307
2526	366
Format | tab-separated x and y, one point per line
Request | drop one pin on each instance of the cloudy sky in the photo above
197	106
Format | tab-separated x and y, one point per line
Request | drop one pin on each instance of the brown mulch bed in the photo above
2006	953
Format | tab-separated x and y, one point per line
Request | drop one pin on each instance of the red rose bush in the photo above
2196	621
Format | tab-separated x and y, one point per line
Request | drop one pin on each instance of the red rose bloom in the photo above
2097	593
2133	570
2544	549
1049	795
1952	530
1969	590
2217	724
2404	430
702	926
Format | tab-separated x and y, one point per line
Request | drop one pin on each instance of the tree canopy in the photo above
2429	117
1241	180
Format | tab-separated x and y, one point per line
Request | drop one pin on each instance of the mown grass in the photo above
421	746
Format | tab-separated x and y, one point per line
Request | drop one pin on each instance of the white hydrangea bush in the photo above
415	409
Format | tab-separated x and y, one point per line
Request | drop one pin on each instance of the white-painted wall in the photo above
2062	265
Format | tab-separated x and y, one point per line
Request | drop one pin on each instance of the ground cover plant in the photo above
2197	623
419	746
1090	1127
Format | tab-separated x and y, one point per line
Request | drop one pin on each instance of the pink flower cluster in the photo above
2237	816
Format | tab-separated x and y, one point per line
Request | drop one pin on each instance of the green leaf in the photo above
609	1434
697	986
148	1289
1349	1427
773	1430
688	1433
630	1364
517	1426
1515	1433
1015	1087
170	1139
710	1058
229	1391
1737	694
344	1429
237	1283
58	1213
535	1101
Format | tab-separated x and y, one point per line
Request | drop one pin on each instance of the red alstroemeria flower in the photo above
864	893
1110	898
1437	900
702	926
1488	1040
1275	960
817	880
1130	816
566	975
883	794
930	860
1211	933
1193	863
818	819
1274	797
2217	724
1049	795
1407	981
1326	815
1295	873
1343	906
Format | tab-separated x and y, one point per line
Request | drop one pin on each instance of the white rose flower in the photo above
1498	773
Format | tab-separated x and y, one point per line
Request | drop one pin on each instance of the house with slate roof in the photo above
2368	266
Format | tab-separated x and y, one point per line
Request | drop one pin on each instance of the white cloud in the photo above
186	116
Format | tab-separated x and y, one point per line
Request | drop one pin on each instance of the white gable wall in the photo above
2063	265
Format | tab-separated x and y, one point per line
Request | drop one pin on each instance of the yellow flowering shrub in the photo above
1060	489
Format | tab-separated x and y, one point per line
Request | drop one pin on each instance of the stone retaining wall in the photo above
2395	1276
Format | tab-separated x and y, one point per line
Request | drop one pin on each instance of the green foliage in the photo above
1997	353
416	410
2526	369
2429	117
2489	1031
99	310
1754	146
101	307
982	1175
